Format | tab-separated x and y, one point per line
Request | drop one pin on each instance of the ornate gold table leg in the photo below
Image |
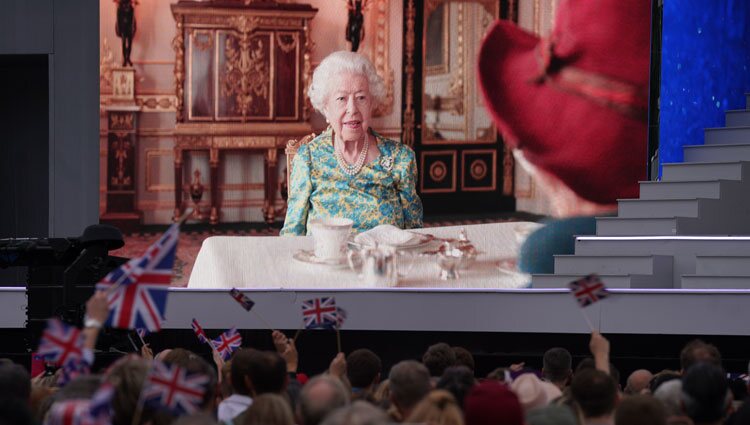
177	185
269	209
213	218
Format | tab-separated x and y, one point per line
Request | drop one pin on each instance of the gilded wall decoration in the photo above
121	146
178	45
246	74
106	63
377	26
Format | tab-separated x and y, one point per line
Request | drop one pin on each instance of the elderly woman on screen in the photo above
349	170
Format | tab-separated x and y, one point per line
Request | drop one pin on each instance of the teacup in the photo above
330	236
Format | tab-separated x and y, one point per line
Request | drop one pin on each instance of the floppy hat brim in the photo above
597	151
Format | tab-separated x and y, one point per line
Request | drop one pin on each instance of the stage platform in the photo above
626	311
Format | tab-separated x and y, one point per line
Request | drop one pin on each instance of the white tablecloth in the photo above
264	262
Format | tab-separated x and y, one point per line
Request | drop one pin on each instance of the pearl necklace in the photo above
353	169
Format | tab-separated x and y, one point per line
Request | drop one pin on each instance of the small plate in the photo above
420	241
308	257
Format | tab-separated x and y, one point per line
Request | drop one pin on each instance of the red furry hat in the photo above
576	104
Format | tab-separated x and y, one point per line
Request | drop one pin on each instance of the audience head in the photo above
640	410
457	380
697	351
382	394
82	387
551	415
439	357
706	398
161	354
492	403
126	376
358	413
257	372
595	392
464	358
409	383
589	363
269	409
14	381
438	407
533	392
670	396
226	379
320	396
663	377
177	356
363	368
557	366
638	381
195	419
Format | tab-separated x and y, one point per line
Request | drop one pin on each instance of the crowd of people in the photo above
256	387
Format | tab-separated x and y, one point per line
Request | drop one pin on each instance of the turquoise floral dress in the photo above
383	192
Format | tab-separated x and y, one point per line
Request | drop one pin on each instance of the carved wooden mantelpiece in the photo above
241	71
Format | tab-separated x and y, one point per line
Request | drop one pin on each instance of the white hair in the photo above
325	76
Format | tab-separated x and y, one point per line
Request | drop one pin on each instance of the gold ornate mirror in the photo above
452	108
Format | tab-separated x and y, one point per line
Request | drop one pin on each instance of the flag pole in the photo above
297	334
268	325
140	337
586	316
135	347
338	340
180	221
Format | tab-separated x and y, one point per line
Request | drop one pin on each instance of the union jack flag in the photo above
340	316
72	412
74	369
199	332
588	290
101	402
174	389
227	342
320	313
61	344
241	298
137	291
142	332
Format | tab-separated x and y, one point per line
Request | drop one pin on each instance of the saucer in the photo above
308	257
419	241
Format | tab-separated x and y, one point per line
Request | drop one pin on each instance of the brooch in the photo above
387	163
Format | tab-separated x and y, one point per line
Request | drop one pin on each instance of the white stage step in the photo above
702	171
667	226
655	239
722	265
684	249
614	265
715	282
709	153
727	136
664	208
737	118
682	189
549	281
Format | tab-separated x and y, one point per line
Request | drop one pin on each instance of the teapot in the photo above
378	266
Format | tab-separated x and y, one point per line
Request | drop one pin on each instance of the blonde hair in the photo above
325	77
438	408
269	409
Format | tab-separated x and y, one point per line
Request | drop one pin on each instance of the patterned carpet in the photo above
192	237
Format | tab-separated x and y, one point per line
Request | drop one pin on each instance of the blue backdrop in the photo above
704	69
